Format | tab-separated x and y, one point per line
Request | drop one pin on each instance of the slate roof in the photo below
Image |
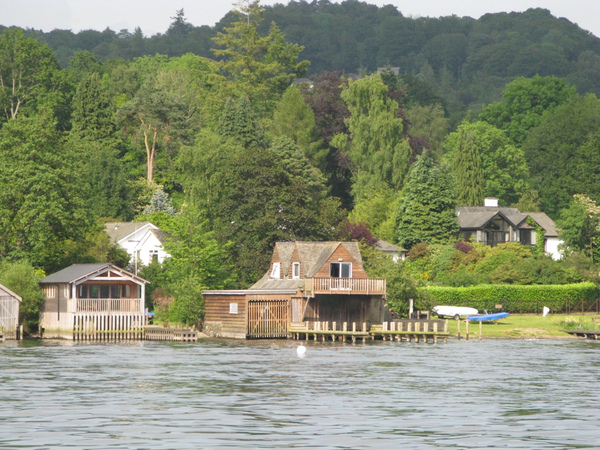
312	256
77	271
161	235
385	246
475	217
119	230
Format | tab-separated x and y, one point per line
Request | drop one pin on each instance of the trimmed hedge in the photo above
514	298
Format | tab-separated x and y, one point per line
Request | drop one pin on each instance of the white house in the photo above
142	240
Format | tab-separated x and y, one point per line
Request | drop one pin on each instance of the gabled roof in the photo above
385	246
162	236
7	291
474	217
78	272
118	231
312	256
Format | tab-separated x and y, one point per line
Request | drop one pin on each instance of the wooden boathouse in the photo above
308	283
93	302
9	313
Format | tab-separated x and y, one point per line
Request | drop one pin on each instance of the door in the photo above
268	318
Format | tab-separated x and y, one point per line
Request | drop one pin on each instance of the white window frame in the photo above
276	271
233	308
296	271
342	264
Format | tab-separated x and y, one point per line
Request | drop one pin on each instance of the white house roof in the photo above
6	291
118	231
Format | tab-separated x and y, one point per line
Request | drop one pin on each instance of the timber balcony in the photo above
108	305
346	286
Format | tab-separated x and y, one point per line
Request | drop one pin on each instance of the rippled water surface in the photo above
260	394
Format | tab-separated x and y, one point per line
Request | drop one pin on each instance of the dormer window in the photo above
296	270
276	271
340	270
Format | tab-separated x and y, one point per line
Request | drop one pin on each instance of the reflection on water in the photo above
259	394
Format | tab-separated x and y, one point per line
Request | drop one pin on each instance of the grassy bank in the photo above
532	326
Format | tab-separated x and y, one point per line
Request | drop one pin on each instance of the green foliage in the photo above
429	122
400	284
259	67
467	164
513	298
377	210
41	208
28	71
23	279
524	101
427	208
295	119
505	170
377	146
160	202
580	227
565	143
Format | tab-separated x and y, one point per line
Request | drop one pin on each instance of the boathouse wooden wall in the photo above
218	319
341	253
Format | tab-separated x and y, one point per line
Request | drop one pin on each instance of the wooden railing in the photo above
108	305
352	286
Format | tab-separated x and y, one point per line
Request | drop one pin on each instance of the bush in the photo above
513	298
23	279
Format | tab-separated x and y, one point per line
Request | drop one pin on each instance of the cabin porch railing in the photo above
108	305
348	286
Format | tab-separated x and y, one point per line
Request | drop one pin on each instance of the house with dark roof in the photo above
9	312
492	225
142	240
306	282
93	301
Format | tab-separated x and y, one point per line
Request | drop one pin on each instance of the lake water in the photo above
538	394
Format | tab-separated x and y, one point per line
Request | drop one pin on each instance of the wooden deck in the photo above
347	286
588	334
157	333
399	330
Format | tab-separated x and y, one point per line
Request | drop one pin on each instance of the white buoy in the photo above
301	350
545	311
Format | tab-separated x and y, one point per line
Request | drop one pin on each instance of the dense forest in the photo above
276	124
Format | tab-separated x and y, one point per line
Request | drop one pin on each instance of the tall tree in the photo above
294	119
376	144
28	71
524	101
427	209
505	173
260	67
468	170
41	207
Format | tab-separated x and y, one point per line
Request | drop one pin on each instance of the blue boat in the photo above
488	317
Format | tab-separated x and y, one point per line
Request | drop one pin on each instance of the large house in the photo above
9	312
492	225
93	301
306	282
142	240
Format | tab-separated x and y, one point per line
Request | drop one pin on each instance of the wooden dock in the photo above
399	330
156	333
584	334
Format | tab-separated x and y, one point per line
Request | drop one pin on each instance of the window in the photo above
296	270
276	272
126	291
83	291
104	291
51	291
233	308
153	256
115	291
340	270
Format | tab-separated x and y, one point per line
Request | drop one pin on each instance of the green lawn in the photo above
522	326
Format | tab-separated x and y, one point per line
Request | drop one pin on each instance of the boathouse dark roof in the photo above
78	271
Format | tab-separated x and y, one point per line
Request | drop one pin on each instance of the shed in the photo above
9	312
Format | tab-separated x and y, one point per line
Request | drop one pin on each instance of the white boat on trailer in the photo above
455	312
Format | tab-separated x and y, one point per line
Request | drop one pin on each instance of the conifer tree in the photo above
468	170
427	209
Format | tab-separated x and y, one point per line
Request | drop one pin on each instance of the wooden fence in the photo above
108	327
108	305
268	318
354	286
